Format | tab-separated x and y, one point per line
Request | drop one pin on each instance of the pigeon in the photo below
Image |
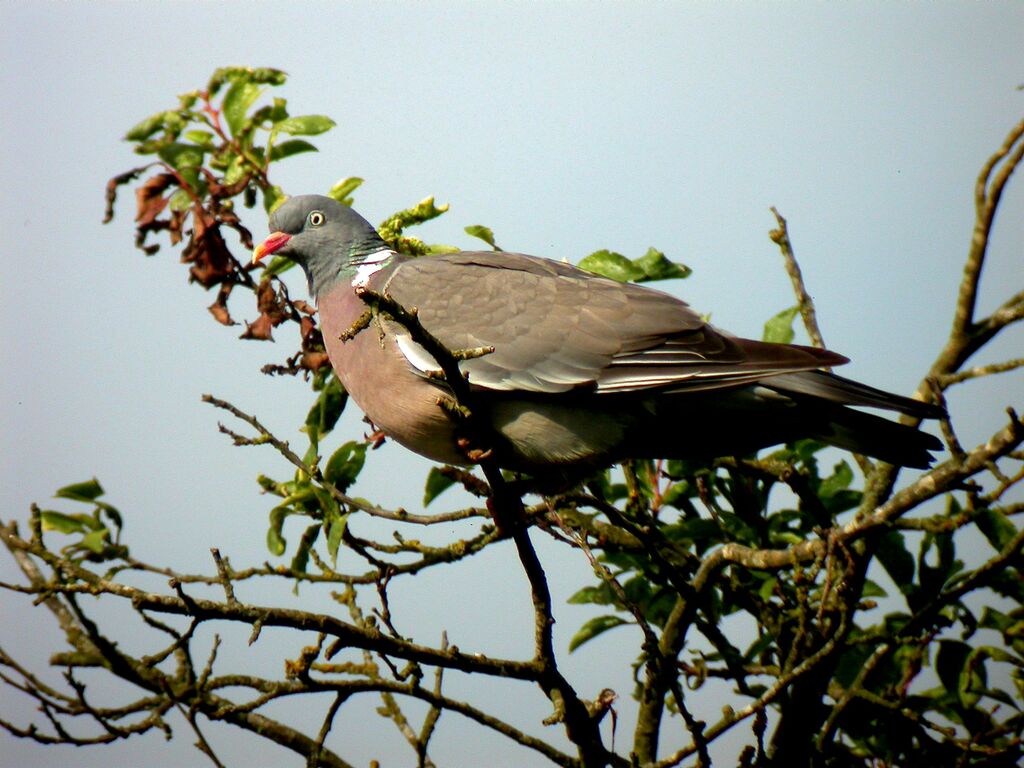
574	371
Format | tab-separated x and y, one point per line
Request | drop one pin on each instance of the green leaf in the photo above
305	125
174	123
95	541
600	594
701	531
851	663
655	266
767	588
273	196
236	169
434	248
842	501
1009	626
112	514
90	490
779	329
933	579
839	480
950	659
181	200
202	138
436	484
973	677
326	410
335	531
612	265
182	156
325	501
292	503
651	266
737	528
871	589
806	449
291	147
268	75
277	266
63	523
483	233
275	540
278	110
240	96
834	490
593	628
1009	584
345	464
961	670
996	526
312	456
676	493
343	188
898	562
996	654
334	521
424	210
269	485
309	536
146	128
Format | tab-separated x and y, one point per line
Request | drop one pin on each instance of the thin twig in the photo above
804	301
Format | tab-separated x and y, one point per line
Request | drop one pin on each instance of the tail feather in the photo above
877	437
836	389
750	418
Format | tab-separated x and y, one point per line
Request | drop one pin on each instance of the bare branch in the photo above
804	301
266	436
967	335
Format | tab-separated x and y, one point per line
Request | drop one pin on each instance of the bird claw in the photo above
476	455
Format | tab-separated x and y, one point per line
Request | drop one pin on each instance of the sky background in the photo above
565	127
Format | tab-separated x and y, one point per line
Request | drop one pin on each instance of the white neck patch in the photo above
370	266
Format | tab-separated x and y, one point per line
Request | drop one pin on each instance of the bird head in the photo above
327	239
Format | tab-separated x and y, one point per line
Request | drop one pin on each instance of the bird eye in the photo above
316	219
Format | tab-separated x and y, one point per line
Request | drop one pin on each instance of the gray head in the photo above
327	239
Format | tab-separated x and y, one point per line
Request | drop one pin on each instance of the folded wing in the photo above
555	328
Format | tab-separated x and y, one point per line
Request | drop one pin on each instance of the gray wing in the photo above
555	328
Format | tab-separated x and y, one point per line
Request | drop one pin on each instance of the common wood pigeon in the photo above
585	370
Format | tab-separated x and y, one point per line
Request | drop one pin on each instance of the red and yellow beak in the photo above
275	241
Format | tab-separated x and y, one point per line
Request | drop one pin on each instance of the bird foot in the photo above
475	455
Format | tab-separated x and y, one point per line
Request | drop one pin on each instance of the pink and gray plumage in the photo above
585	370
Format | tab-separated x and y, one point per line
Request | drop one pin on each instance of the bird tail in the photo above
836	389
875	436
787	407
854	430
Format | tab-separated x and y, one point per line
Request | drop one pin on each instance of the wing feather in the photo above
555	328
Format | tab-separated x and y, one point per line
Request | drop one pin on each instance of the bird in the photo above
573	371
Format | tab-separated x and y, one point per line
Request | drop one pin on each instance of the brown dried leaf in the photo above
230	219
273	308
222	191
314	355
219	308
206	250
258	329
175	226
314	361
149	199
111	193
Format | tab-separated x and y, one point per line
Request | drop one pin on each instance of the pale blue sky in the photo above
566	127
